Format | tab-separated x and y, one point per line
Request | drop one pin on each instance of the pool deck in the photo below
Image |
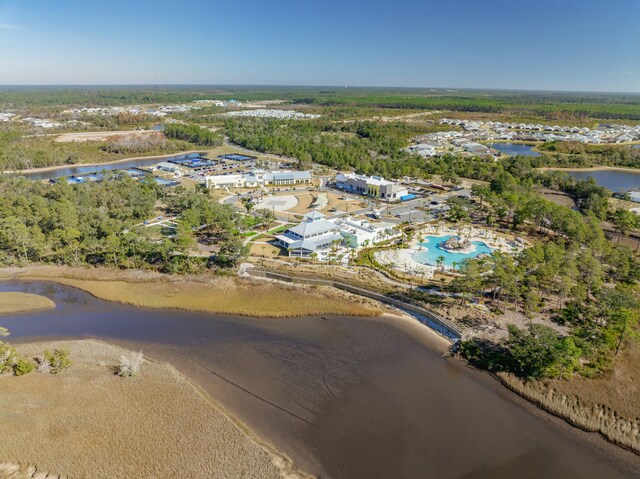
404	259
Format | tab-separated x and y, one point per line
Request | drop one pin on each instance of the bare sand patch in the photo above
278	203
83	136
87	422
210	294
13	302
332	202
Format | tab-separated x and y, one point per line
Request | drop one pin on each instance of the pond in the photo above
344	397
86	170
514	149
614	180
433	250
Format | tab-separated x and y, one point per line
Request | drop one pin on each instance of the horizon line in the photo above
342	87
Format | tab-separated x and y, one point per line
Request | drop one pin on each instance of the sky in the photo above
576	45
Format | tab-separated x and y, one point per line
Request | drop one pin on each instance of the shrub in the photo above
58	360
136	143
7	357
23	366
130	364
44	366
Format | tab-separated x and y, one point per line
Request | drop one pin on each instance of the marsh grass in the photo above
91	423
212	294
12	303
590	417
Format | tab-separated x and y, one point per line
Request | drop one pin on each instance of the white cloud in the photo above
6	26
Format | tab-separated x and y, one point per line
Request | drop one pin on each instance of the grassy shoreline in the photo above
592	168
600	418
207	294
15	303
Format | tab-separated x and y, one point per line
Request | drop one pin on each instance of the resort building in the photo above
286	178
168	167
373	186
313	234
258	178
238	157
316	233
225	181
358	233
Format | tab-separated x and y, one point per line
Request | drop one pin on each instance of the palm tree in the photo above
439	261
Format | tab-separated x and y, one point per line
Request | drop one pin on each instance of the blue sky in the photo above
591	45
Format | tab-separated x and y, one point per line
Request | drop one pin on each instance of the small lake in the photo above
349	398
86	170
614	180
514	149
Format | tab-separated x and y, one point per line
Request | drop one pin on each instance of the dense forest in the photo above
95	223
369	147
543	104
193	134
571	274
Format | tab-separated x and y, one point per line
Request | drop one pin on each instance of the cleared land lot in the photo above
98	135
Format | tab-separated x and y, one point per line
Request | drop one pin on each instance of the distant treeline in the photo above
622	107
544	104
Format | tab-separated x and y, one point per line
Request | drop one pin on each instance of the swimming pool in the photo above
433	250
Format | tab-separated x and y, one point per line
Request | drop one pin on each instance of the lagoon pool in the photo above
433	250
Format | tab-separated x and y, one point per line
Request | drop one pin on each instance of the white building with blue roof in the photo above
313	234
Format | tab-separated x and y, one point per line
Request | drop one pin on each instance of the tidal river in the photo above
344	397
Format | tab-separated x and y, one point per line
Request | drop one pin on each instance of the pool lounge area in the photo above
433	249
421	256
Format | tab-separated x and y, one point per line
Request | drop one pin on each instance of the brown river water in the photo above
343	397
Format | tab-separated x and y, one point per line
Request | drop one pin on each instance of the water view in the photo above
344	397
90	169
433	250
614	180
514	149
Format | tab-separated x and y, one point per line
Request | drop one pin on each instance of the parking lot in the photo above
423	209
